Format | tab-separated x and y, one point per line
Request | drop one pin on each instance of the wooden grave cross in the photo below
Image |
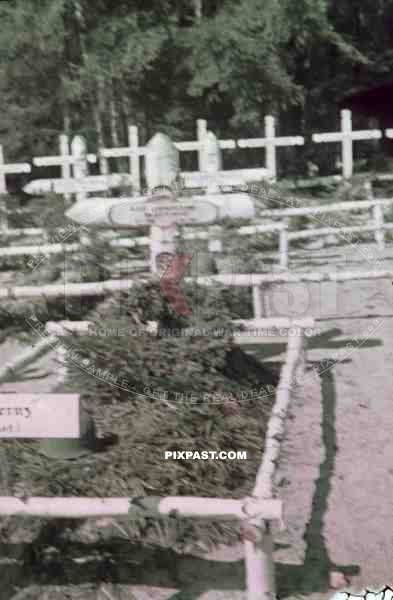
270	142
164	210
347	136
8	169
76	161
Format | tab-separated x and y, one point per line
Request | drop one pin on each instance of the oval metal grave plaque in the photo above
162	212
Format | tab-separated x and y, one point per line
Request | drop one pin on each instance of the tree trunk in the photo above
114	120
98	107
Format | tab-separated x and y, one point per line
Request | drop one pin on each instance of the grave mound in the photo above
142	428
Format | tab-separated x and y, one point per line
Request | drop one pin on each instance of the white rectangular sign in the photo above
39	416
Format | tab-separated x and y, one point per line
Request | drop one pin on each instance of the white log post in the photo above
99	288
133	141
43	250
270	142
378	220
377	210
153	506
270	133
201	134
64	146
80	171
251	279
318	212
257	302
259	562
283	250
259	557
8	170
347	136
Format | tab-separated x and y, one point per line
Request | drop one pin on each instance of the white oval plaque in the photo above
163	213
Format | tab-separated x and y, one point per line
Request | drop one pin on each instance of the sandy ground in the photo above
336	470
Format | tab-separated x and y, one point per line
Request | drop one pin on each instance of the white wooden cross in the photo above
162	211
347	136
65	160
211	174
8	169
133	151
199	145
270	142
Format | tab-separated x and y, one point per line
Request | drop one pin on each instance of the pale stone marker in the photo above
212	160
162	162
79	167
39	416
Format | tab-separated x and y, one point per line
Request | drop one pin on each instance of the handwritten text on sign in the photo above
162	213
39	416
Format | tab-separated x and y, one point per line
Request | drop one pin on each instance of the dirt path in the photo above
338	455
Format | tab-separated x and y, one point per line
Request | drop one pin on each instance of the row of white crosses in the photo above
133	152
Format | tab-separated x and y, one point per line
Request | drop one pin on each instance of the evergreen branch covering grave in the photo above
145	428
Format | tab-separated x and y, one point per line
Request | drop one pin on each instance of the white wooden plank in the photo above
235	177
90	183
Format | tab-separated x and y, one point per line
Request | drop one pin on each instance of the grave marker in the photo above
162	162
270	142
347	136
212	160
163	212
39	416
8	169
65	160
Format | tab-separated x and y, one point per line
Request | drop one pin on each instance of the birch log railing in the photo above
377	225
257	511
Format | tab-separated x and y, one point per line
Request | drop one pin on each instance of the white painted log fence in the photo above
258	510
258	550
314	213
